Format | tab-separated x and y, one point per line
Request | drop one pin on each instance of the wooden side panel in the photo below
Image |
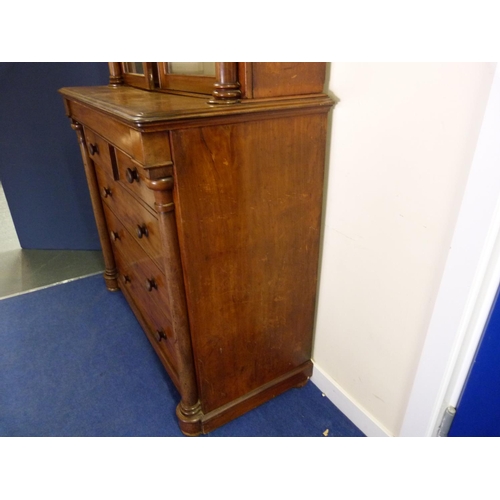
275	79
249	199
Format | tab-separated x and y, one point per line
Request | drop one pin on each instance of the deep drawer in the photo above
119	167
138	220
130	174
158	325
144	283
149	277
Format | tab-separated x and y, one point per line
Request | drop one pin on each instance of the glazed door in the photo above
478	411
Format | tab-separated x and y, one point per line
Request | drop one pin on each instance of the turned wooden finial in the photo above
227	88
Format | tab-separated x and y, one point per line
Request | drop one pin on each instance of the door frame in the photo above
468	285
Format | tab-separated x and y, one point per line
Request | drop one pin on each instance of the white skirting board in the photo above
362	420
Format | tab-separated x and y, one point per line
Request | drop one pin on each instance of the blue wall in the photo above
478	411
41	169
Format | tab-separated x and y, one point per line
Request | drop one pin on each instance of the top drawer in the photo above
131	176
99	150
119	167
149	148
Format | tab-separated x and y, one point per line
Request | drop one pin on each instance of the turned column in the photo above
115	74
227	88
189	409
110	274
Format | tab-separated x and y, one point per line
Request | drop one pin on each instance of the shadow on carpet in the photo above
75	362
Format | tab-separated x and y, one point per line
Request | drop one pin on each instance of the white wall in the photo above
403	139
468	287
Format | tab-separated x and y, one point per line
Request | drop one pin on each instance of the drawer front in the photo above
118	166
149	278
99	151
139	221
159	328
145	284
131	176
151	149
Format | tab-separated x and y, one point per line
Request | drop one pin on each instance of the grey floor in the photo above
23	271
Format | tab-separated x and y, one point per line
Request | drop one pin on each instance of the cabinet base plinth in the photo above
111	280
200	423
189	419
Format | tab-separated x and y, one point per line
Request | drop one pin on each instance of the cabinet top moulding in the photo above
238	91
143	110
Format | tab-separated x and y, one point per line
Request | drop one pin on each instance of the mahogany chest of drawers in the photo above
209	218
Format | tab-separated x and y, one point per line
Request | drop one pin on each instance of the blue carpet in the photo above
75	362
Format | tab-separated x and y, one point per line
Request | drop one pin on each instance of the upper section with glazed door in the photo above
224	82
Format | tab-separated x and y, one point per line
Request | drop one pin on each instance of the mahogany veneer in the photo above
209	217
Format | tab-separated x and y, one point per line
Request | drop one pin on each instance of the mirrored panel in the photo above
191	68
134	67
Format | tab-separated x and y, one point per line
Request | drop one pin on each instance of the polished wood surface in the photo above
226	90
232	81
250	213
157	110
273	79
115	74
110	273
146	282
132	176
149	150
146	79
210	220
140	222
187	83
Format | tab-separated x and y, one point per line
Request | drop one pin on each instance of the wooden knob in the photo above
151	284
114	235
142	230
126	278
106	191
132	175
160	335
93	149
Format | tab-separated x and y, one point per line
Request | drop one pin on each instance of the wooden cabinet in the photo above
208	206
